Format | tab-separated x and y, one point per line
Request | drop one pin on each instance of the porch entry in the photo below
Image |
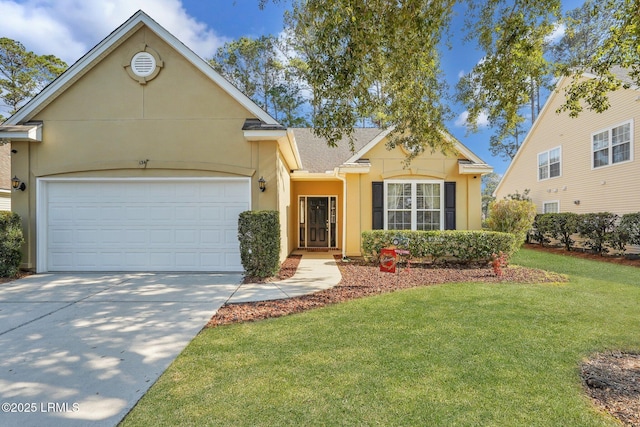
317	221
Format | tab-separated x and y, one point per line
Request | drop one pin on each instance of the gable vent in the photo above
143	64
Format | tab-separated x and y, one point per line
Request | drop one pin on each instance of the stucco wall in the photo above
386	164
107	124
608	188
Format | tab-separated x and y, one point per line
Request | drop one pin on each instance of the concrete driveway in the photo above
81	349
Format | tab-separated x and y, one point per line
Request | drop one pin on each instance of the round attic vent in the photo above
143	64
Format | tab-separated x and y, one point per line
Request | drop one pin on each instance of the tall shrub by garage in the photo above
259	235
11	241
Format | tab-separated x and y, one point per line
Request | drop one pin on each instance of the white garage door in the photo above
140	224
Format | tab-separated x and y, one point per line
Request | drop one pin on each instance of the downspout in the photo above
344	211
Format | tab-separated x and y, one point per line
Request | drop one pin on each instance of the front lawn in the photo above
455	354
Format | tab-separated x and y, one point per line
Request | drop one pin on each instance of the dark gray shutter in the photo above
377	208
449	205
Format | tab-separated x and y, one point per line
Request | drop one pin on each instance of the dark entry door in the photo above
318	222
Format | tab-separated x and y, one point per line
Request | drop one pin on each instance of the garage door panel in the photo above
134	226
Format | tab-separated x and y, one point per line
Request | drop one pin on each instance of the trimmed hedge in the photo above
438	246
259	235
600	231
11	241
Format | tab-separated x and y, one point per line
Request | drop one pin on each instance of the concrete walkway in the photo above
317	271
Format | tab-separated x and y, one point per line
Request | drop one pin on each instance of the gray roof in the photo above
318	157
622	74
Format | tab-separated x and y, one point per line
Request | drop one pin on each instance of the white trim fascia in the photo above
459	146
21	132
291	139
108	44
474	169
357	168
302	175
264	134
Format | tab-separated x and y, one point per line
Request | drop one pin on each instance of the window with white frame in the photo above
551	207
414	205
613	145
549	164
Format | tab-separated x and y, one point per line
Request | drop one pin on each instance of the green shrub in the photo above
540	230
559	226
630	225
463	246
259	235
512	216
11	241
598	230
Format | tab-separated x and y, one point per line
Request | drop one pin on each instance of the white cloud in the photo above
557	34
463	120
70	28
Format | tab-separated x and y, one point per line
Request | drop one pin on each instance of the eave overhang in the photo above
355	168
26	132
256	130
469	168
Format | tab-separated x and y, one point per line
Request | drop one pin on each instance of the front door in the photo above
318	222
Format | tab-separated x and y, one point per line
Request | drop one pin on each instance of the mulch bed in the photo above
361	280
612	380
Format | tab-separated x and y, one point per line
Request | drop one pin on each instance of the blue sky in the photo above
69	28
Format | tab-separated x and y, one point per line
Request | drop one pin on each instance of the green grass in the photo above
457	354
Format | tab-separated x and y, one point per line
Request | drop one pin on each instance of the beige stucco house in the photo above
586	164
140	157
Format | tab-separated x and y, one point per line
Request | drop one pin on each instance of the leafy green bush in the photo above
512	216
540	230
559	226
259	235
11	241
598	230
463	246
630	224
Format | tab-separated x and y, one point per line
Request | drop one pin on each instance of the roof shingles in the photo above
318	157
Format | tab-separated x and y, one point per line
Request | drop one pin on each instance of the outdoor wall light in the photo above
577	202
16	184
262	184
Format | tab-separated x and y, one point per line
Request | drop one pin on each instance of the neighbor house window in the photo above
551	207
612	145
549	164
414	205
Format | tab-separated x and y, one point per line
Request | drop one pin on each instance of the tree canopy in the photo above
23	73
262	71
381	60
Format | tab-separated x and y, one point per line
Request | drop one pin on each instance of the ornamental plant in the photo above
11	241
498	261
512	216
259	235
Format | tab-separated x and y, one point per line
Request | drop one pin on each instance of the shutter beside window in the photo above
377	209
449	205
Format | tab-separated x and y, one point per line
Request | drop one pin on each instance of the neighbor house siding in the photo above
608	188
